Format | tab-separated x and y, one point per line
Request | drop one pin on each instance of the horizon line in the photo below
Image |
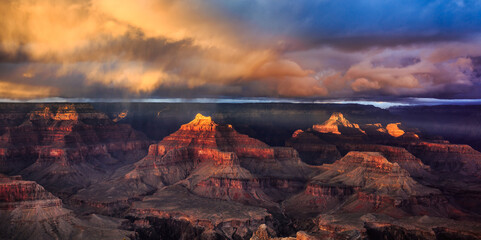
377	103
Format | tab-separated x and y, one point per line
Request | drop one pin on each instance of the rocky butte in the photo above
337	124
204	176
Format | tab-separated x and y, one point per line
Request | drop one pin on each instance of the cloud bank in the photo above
260	48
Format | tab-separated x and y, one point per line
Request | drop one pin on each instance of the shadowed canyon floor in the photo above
70	171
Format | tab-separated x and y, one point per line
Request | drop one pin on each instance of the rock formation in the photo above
315	147
28	211
399	155
448	158
212	161
198	176
377	226
208	218
393	183
337	124
336	180
368	182
327	142
374	129
262	233
394	130
65	147
120	116
458	167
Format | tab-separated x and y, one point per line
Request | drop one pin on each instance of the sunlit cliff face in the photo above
157	48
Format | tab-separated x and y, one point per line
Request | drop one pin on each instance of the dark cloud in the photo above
134	46
15	56
272	48
356	24
362	42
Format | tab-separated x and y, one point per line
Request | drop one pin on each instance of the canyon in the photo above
70	171
66	147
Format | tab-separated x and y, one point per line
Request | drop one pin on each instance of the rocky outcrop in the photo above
315	147
264	233
448	158
15	192
450	170
394	130
401	156
120	116
374	129
339	129
211	160
228	182
337	124
28	211
459	168
368	182
377	226
176	205
66	147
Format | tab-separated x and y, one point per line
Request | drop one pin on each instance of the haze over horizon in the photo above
282	49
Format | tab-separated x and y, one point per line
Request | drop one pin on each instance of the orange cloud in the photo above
143	45
23	91
363	84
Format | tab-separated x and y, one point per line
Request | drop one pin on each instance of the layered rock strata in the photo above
368	182
448	158
28	211
211	160
399	155
65	147
212	218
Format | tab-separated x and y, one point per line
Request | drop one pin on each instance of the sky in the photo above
317	49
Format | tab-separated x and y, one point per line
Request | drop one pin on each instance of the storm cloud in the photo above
261	48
